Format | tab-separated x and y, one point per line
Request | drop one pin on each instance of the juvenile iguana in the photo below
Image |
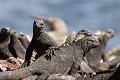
41	41
61	63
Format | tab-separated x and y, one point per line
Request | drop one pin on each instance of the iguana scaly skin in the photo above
61	63
41	41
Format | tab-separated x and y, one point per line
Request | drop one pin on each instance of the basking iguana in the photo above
15	46
4	41
74	38
41	41
65	57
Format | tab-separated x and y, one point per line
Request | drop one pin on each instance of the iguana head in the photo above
87	43
38	27
55	24
82	33
4	37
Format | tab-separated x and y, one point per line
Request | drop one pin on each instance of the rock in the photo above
31	77
60	77
10	64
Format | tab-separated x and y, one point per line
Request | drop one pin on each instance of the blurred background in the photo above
78	14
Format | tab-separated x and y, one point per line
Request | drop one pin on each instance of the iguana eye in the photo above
89	34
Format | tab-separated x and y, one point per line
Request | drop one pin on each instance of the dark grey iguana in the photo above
61	63
74	38
15	46
41	41
4	41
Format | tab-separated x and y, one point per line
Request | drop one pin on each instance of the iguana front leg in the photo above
50	52
81	66
75	67
86	69
28	54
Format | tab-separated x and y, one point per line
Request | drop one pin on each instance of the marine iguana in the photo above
41	41
84	64
15	47
61	63
4	41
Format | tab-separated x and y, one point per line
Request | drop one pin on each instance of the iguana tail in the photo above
16	74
